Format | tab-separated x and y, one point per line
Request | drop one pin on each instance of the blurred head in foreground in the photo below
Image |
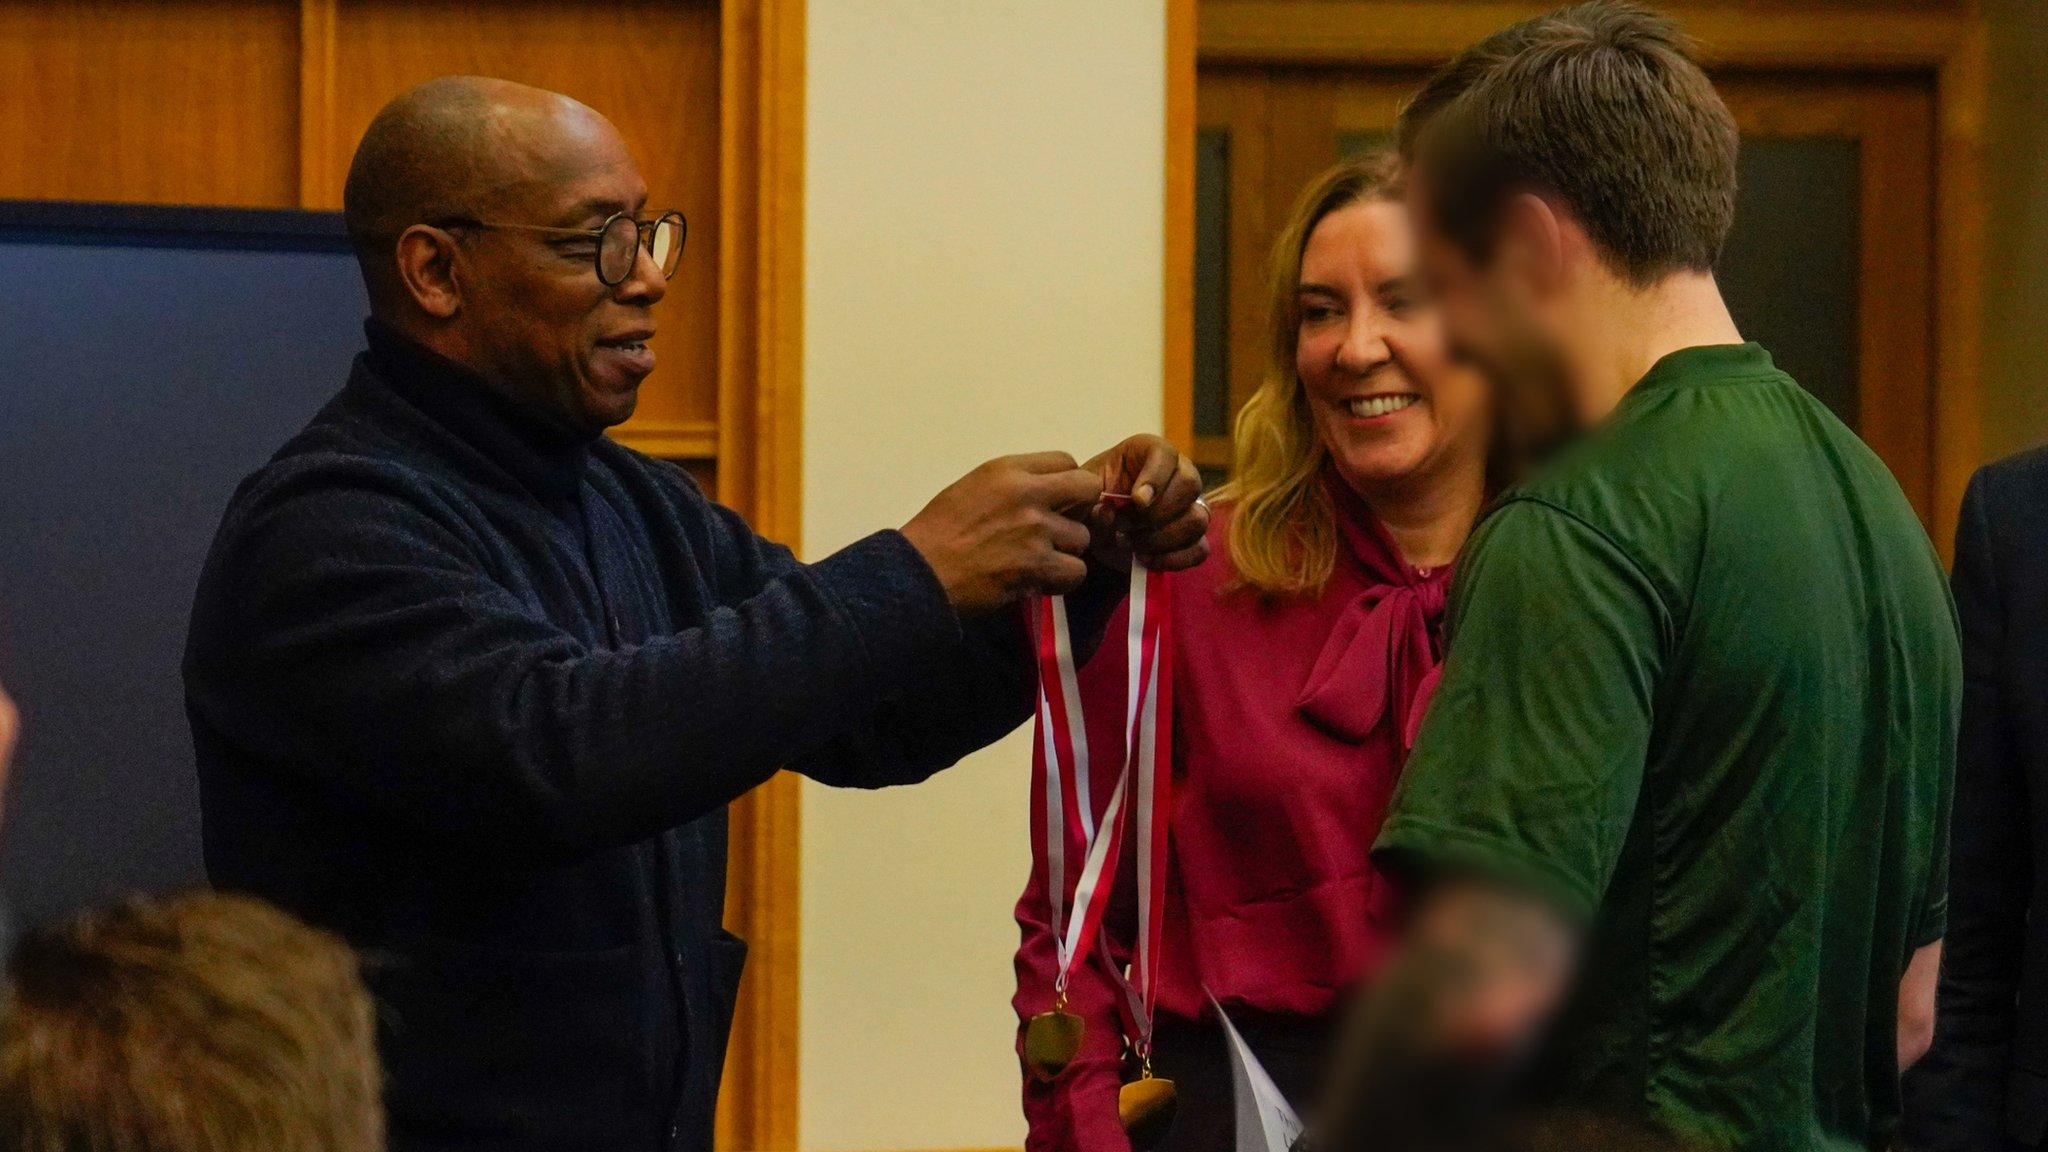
1559	170
196	1023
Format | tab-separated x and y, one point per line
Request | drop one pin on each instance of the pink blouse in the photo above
1292	720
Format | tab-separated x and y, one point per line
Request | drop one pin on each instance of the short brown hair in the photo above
197	1023
1599	106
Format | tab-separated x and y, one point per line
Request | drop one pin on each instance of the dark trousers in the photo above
1196	1057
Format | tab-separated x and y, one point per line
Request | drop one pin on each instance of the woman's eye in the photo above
1316	313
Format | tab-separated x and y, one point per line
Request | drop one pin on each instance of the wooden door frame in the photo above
760	473
1945	46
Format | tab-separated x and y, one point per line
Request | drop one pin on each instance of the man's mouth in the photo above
1386	403
627	342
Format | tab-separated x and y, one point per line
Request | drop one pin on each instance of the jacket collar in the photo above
542	456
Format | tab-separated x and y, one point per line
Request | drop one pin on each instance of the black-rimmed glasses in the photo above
619	239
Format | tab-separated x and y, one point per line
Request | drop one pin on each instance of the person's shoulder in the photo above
343	467
2014	485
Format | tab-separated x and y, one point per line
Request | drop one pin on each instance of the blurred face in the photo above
535	315
1369	350
1498	317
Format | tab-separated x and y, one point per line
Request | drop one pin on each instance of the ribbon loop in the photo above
1060	750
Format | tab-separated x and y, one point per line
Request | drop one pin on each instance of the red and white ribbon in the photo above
1144	778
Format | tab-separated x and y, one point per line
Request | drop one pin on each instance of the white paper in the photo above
1265	1121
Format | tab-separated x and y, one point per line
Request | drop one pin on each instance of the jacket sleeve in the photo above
952	701
348	629
1956	1095
1077	1111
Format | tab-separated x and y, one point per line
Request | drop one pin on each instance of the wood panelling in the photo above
156	102
261	104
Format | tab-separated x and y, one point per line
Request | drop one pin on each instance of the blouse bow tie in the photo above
1379	658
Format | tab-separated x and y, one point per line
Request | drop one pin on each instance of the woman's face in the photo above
1388	403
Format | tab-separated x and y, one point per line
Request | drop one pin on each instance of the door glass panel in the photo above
1212	282
1789	270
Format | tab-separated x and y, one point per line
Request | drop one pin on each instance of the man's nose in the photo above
646	284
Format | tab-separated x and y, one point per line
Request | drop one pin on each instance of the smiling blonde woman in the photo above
1305	648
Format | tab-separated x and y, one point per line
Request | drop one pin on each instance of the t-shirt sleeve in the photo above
1528	765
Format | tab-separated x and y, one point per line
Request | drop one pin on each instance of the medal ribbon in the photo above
1061	750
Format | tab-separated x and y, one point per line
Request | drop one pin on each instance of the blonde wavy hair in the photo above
1282	536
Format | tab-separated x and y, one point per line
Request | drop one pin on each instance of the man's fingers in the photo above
1178	494
1043	462
1182	558
1061	574
1074	488
1156	468
1069	536
10	723
1172	537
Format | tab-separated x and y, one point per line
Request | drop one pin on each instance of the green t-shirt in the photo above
1702	691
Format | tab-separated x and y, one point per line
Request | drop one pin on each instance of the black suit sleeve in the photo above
956	701
1957	1093
349	630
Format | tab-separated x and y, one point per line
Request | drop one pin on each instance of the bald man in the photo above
473	685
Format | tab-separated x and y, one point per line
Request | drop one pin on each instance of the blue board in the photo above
149	359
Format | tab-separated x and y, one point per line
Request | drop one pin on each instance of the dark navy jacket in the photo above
1983	1087
475	694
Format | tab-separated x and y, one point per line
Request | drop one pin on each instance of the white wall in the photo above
983	219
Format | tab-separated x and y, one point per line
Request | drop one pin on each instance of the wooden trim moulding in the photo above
671	439
1179	366
759	445
1392	33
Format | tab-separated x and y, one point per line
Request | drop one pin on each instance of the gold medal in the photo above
1146	1106
1052	1040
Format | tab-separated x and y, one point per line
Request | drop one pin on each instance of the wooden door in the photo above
1830	263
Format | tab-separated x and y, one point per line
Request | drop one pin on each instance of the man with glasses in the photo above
472	685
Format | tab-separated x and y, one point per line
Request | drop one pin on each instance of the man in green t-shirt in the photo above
1678	815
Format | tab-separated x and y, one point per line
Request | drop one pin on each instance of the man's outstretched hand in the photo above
1165	523
10	724
1008	529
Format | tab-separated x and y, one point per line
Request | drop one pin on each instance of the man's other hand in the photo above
10	725
1164	522
1008	529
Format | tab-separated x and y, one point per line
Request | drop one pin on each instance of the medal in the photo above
1060	753
1052	1040
1146	1106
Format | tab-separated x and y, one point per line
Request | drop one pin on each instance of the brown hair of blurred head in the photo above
1598	107
195	1023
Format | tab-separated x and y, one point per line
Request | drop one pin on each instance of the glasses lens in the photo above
615	253
666	245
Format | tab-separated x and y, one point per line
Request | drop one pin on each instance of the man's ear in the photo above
426	266
1537	238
